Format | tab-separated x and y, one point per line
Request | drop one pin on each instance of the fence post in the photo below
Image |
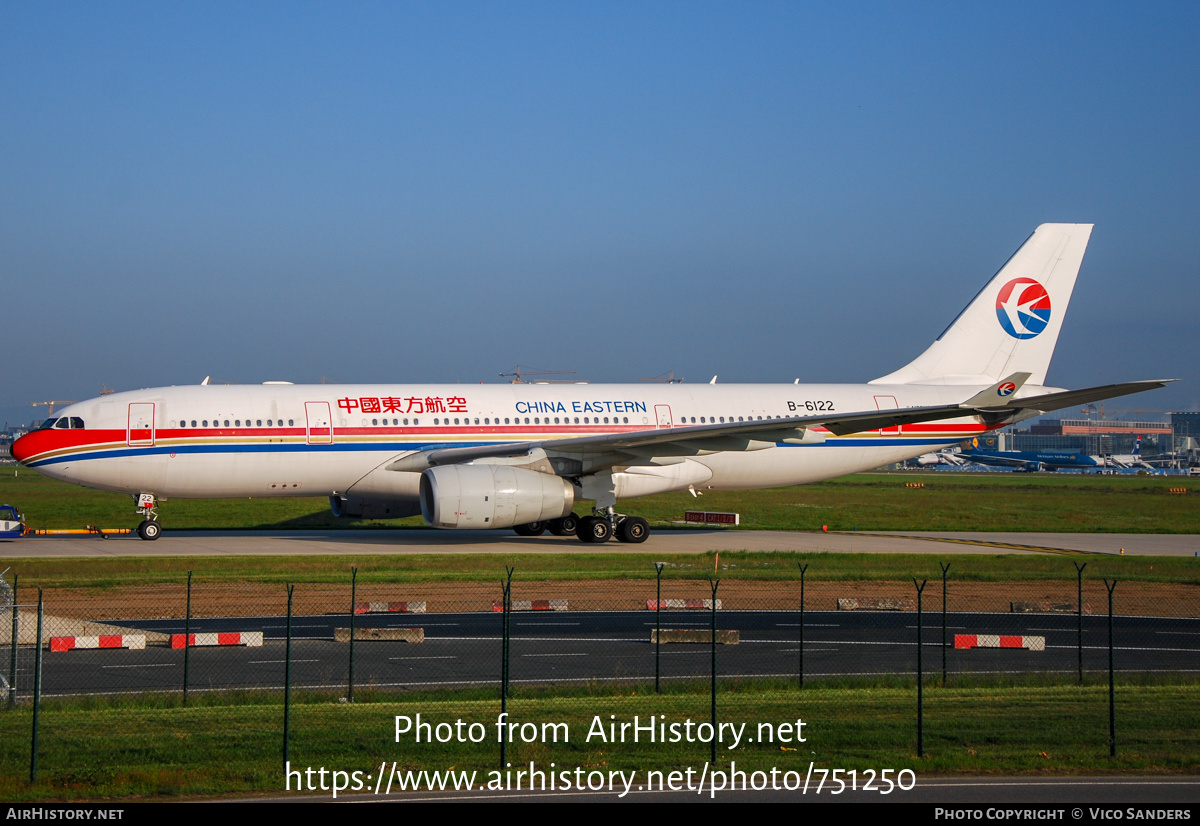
713	636
353	596
506	605
1112	699
658	566
802	568
1079	615
920	674
12	670
945	568
187	637
287	681
37	694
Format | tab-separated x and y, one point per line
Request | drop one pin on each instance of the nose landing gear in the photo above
149	529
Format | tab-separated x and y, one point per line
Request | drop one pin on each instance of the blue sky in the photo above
441	191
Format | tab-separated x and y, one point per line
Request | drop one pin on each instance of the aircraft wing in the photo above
626	448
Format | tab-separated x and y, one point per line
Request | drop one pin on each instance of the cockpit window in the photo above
76	423
63	423
49	423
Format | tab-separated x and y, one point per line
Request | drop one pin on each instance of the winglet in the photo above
999	394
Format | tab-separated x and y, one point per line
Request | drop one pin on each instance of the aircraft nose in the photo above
22	448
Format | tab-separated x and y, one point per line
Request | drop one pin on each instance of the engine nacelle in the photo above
492	496
360	507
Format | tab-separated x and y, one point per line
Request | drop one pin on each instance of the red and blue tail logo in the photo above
1023	308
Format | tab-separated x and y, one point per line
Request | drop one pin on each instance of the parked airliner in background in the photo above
471	456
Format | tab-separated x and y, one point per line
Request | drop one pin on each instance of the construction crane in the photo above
518	377
50	405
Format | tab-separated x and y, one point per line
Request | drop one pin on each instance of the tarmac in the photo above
429	541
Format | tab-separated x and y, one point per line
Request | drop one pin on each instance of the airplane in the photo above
1038	460
1130	460
520	455
1030	460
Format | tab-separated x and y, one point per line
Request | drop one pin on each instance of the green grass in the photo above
879	501
451	568
143	748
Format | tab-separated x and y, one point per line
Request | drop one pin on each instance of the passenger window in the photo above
206	422
237	423
625	420
416	421
375	422
506	421
183	424
606	419
406	421
477	421
289	422
456	421
435	421
227	422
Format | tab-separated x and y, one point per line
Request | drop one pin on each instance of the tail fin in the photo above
1013	323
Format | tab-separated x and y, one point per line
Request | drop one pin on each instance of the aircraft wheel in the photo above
633	529
594	529
532	529
567	526
149	530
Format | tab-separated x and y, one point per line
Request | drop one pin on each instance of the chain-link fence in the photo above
664	671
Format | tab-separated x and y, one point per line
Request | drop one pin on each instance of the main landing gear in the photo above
149	529
599	527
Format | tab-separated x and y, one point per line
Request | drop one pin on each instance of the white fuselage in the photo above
321	440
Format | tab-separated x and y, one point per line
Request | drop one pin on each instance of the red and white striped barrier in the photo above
389	607
999	641
533	605
250	639
653	605
131	641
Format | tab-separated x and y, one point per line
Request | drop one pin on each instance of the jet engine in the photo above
492	496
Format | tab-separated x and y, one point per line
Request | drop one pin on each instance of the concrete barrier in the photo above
389	607
131	641
724	637
369	634
1046	608
999	641
876	604
705	604
533	605
250	639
